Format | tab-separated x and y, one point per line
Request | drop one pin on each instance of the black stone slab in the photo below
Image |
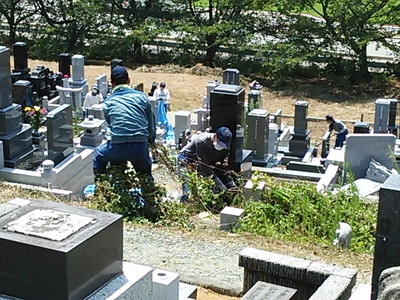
263	290
387	242
5	78
33	267
227	109
305	167
10	119
361	127
17	142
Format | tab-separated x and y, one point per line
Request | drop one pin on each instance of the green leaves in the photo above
296	211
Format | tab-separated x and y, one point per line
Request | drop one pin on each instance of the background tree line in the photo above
273	38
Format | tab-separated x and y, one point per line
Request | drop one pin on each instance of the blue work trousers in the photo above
116	154
340	138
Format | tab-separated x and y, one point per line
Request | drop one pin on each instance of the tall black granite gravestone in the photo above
387	242
227	109
54	251
16	137
64	63
21	70
60	133
300	137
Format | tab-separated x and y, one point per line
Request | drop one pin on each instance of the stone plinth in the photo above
165	285
56	251
230	216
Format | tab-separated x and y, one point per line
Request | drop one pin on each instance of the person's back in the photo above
127	112
131	121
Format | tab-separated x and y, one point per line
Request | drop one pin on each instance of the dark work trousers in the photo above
340	138
117	154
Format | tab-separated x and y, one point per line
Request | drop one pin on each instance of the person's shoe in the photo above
184	198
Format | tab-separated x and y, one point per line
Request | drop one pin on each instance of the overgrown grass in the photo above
298	212
290	211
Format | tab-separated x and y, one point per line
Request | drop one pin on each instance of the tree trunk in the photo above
363	64
12	33
211	50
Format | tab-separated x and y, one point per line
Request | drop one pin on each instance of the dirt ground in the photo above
188	86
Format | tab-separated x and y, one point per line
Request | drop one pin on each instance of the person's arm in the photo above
342	127
167	95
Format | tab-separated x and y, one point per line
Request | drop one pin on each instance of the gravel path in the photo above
209	264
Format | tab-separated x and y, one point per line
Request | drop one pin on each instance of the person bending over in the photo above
130	118
340	128
207	154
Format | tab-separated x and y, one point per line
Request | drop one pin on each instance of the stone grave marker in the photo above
60	133
55	251
381	119
387	242
361	148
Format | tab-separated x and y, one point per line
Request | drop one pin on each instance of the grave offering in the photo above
56	251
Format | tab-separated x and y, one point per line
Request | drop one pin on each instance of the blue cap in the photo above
224	136
119	73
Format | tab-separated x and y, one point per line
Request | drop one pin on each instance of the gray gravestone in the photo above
361	148
263	291
273	139
60	133
102	84
5	78
182	123
300	137
78	68
78	79
231	76
387	242
381	119
258	132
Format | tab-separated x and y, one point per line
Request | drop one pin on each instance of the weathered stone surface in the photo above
263	290
334	288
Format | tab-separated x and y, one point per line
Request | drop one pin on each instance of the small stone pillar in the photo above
230	217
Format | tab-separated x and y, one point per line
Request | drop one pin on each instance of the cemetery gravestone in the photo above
227	109
392	116
64	63
102	84
55	251
16	137
361	148
60	133
387	243
263	290
258	132
231	76
381	119
300	137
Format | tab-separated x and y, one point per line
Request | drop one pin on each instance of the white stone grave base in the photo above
134	283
